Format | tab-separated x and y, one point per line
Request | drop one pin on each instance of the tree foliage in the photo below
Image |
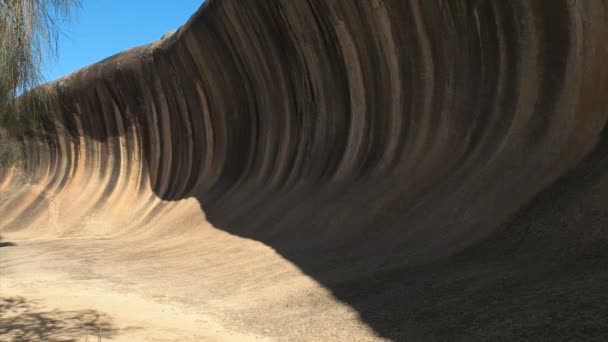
29	31
11	152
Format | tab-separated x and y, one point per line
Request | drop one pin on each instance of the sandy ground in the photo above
34	285
72	289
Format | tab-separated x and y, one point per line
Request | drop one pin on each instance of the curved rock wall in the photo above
381	127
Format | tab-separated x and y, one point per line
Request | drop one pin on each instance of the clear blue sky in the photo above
105	27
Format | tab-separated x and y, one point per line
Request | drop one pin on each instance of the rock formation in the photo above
373	135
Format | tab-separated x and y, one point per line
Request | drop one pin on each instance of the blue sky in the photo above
104	27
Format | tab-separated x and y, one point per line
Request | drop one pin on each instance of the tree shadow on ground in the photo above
24	320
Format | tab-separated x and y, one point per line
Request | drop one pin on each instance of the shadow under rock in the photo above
6	243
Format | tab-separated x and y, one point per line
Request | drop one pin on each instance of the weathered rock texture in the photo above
363	135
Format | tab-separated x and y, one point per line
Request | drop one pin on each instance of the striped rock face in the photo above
361	134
